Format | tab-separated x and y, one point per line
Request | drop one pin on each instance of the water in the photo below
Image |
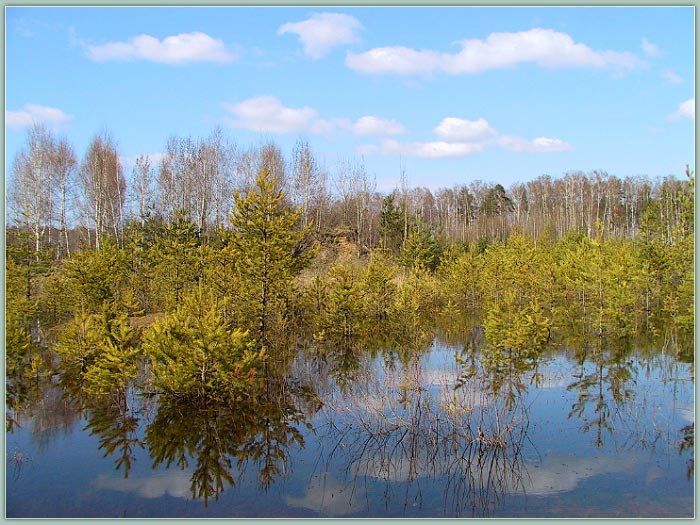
372	435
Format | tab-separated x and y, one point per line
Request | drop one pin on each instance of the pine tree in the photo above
175	262
267	251
194	354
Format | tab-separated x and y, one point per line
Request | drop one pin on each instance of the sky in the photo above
446	95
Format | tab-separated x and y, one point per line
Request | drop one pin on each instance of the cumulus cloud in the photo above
371	125
184	48
35	113
544	47
268	114
323	31
685	110
460	130
538	145
463	137
649	49
366	149
430	150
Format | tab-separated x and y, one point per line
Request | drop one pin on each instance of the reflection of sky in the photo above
172	483
328	497
564	473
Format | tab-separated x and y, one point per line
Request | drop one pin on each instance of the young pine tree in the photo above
267	251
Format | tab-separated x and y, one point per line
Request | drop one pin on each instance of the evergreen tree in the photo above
391	221
175	261
421	250
267	251
193	352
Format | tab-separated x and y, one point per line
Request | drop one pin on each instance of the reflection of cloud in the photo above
687	413
175	484
328	497
564	473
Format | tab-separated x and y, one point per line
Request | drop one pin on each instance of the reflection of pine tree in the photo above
116	425
257	430
603	389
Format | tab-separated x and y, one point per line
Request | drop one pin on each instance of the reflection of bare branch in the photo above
405	424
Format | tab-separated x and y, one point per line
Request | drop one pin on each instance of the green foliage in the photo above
175	263
460	280
378	287
266	251
95	277
193	353
99	352
344	308
599	282
413	311
420	250
391	221
515	334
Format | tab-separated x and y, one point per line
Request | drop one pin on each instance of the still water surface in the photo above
574	437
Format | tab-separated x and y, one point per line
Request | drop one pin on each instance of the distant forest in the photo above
246	254
67	203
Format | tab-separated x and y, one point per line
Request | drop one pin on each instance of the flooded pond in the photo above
375	434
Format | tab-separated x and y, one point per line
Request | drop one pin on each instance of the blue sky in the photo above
450	94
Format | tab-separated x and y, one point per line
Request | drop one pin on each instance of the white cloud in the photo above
544	47
649	49
328	497
324	31
538	145
371	125
268	114
460	130
462	137
685	110
178	49
556	474
430	150
670	77
35	113
175	484
399	60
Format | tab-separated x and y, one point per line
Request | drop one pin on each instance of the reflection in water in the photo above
563	473
327	496
405	431
602	386
688	445
116	423
175	484
257	430
404	425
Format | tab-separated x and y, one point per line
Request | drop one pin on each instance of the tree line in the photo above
66	202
